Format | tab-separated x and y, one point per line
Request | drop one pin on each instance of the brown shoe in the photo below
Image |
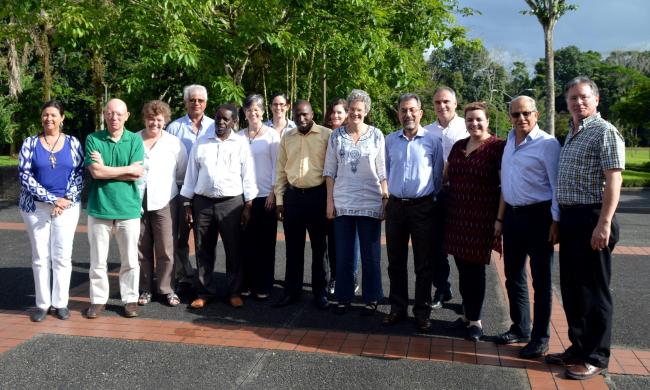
583	371
94	311
198	303
393	318
131	309
236	301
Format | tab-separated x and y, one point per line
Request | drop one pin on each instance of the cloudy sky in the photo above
599	25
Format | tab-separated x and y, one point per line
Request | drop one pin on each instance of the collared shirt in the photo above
182	128
584	158
164	166
414	167
529	170
290	125
113	198
218	169
454	132
264	149
357	170
301	158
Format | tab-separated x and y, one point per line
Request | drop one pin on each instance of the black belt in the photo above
412	201
305	190
218	200
589	206
529	207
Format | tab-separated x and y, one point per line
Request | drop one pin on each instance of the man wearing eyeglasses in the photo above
188	129
530	217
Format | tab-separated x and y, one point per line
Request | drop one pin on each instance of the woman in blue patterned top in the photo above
51	178
355	175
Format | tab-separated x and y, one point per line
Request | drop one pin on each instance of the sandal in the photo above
341	308
173	299
144	298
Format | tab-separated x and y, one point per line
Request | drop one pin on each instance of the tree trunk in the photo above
324	81
550	79
311	73
45	62
15	86
97	66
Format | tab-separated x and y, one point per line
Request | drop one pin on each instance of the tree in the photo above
548	12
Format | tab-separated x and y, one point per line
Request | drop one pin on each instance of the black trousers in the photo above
258	251
414	220
215	217
525	234
304	211
584	276
440	266
471	283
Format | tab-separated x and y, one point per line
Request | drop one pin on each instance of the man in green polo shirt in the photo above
114	159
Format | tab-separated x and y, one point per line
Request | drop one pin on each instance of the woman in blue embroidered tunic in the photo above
355	175
51	178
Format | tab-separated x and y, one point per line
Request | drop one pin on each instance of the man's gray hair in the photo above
529	99
581	80
408	96
358	95
445	88
191	89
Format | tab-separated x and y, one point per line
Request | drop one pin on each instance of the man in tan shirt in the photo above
301	201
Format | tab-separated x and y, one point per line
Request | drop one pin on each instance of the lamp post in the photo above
507	104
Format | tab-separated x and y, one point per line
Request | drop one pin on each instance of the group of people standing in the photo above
451	187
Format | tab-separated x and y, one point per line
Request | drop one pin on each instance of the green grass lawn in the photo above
6	161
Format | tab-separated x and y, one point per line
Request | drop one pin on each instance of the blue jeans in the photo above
346	228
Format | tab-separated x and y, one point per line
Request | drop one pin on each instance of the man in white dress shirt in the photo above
219	189
188	129
451	128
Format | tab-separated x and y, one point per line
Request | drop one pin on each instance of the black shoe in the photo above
423	324
286	300
341	308
510	337
370	309
62	313
393	318
533	350
474	333
565	358
321	303
440	298
38	316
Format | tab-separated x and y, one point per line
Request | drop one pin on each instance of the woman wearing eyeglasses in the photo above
279	107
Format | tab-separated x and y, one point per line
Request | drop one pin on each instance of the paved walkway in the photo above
16	329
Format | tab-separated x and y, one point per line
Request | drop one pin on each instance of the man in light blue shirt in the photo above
414	162
188	129
530	216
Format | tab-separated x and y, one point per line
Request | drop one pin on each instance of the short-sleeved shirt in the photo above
111	198
584	158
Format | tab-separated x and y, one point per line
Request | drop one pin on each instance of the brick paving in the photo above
16	328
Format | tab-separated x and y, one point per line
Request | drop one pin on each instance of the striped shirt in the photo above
584	158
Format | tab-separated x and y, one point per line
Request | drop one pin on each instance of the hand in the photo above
498	229
62	203
600	236
188	215
246	213
554	233
384	202
56	211
269	204
279	212
97	157
136	169
330	211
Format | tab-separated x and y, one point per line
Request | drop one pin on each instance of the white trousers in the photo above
127	232
51	239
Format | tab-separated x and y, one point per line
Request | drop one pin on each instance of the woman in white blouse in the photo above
165	162
261	231
355	175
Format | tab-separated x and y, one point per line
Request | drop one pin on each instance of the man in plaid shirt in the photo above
588	190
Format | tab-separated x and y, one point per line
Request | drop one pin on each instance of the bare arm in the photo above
330	211
611	195
100	171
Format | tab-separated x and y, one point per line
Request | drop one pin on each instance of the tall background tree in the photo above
548	12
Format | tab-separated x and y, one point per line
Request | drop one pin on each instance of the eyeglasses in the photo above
201	101
279	104
525	114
